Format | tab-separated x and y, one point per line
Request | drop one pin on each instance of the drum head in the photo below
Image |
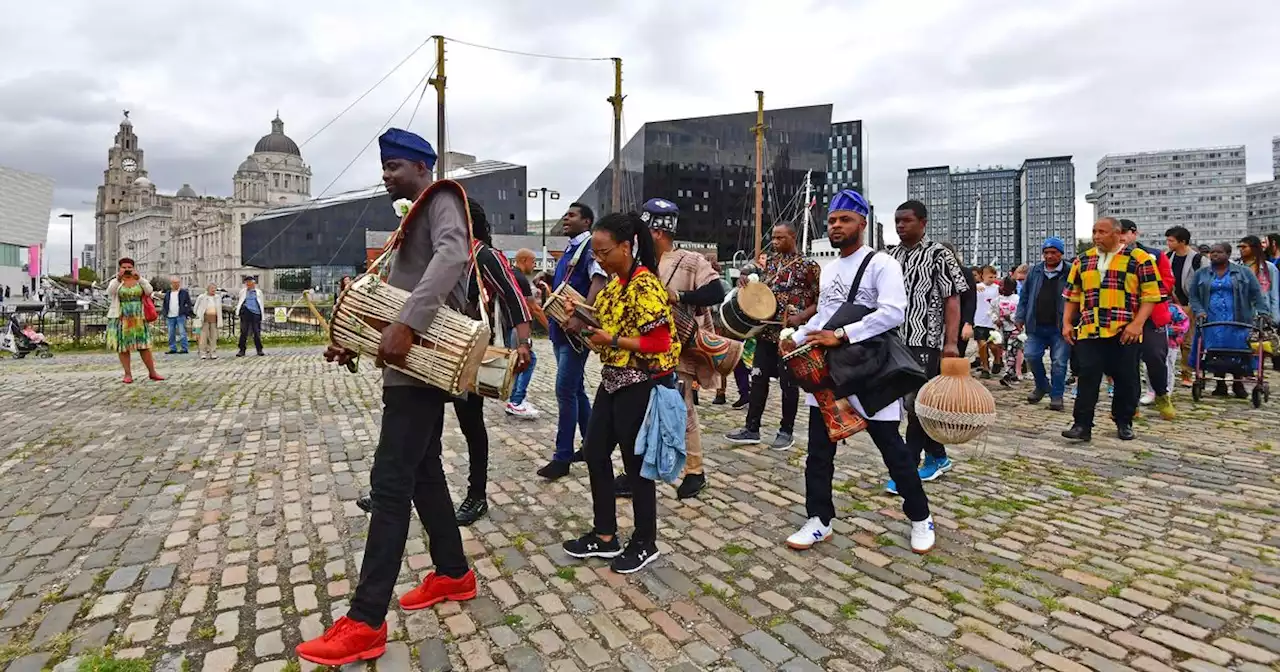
757	302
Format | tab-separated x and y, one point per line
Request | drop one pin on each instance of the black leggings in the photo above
470	413
615	421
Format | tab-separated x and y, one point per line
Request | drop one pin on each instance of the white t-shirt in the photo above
882	288
987	295
173	303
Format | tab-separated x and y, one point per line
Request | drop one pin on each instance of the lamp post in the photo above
71	253
555	196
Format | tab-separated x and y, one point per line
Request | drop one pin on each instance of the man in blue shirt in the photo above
578	268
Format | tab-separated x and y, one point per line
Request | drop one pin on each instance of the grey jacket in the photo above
431	264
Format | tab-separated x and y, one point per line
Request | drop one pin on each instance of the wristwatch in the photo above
839	332
525	342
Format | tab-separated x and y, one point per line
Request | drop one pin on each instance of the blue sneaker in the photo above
891	487
934	467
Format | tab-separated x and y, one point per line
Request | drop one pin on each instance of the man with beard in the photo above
431	263
881	289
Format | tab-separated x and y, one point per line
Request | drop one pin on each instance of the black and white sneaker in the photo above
635	556
742	436
472	509
591	546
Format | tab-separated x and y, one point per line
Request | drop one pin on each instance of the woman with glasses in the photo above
640	351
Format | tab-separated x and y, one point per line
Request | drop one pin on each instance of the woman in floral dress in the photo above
127	330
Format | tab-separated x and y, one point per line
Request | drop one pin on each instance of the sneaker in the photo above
741	403
590	545
472	509
720	400
204	356
436	589
1036	395
1055	404
922	536
1125	432
691	486
240	354
1111	389
522	410
635	556
348	641
622	486
1008	381
1164	406
783	441
1147	398
811	533
934	467
891	487
742	436
579	455
365	503
554	470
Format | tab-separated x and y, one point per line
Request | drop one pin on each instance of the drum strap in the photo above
573	263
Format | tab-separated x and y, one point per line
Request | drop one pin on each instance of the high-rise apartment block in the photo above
1263	198
1200	189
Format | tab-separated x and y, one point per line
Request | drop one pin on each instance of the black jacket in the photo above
185	306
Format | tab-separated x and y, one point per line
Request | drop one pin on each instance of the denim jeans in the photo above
521	386
177	332
572	399
1043	337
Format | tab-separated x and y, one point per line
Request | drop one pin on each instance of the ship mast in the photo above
808	190
759	129
438	82
616	101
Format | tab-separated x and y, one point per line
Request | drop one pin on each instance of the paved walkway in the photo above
208	523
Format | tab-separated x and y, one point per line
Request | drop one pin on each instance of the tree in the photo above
88	275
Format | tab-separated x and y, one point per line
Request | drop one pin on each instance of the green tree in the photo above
88	275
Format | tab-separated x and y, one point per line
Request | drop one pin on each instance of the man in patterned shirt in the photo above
793	280
934	281
1113	289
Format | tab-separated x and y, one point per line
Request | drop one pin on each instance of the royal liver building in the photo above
189	234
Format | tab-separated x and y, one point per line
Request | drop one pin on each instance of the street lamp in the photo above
71	253
555	196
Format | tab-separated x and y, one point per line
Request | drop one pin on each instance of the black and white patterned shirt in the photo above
931	275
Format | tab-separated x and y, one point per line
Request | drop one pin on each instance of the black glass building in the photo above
706	166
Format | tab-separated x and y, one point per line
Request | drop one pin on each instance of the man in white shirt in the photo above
882	289
177	308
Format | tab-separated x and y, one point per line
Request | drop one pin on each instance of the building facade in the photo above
25	201
1201	189
1263	198
985	218
88	256
932	186
193	236
1047	198
706	166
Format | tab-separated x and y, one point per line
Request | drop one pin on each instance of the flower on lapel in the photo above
402	206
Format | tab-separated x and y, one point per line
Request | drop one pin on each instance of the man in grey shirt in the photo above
431	262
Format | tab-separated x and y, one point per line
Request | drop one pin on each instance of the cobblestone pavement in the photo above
208	523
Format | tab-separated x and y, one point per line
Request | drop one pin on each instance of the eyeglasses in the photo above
601	256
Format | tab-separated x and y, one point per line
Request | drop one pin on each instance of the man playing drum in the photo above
692	285
432	263
793	280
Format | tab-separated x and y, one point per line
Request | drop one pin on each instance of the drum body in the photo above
448	355
555	309
808	365
497	373
746	309
722	354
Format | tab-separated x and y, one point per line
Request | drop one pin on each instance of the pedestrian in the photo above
1184	261
208	312
983	324
249	307
1011	333
1040	308
968	304
127	328
1253	258
931	330
518	404
1112	288
885	291
177	308
1155	343
639	350
1226	292
431	266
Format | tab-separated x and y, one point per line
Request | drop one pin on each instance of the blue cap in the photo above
661	214
1056	243
397	143
850	200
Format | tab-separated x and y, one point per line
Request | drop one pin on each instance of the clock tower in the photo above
125	173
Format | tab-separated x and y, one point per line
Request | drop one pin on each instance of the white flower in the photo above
754	277
786	334
402	206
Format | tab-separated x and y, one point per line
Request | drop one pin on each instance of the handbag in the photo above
149	308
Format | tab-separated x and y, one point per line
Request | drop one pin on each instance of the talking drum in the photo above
448	355
746	310
555	309
809	367
497	373
720	354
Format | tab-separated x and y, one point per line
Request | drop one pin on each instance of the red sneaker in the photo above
346	642
436	589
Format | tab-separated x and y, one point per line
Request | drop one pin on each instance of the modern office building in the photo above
1263	198
1201	189
932	186
88	256
706	166
25	201
846	170
988	234
1047	196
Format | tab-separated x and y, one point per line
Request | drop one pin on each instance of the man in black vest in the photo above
1040	307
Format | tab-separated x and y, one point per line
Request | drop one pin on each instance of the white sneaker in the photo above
522	410
1147	398
922	536
812	532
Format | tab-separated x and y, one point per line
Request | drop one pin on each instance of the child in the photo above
1003	311
1179	324
984	322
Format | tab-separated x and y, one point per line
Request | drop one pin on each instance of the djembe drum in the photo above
721	354
809	367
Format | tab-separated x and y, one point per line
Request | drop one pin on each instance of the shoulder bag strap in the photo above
573	263
857	279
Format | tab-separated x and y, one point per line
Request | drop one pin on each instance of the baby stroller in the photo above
1243	363
22	342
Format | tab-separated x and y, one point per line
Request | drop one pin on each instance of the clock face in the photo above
129	165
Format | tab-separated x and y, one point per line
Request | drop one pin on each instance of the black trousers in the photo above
615	422
250	323
919	440
470	413
819	469
768	364
1155	354
406	468
1098	357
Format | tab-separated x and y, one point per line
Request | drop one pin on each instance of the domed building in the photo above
189	235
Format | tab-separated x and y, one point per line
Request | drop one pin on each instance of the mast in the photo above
808	190
977	224
616	101
438	82
758	129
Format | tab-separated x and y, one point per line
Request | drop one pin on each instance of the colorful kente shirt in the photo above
1109	293
794	283
630	309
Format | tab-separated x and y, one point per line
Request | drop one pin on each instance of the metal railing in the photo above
89	327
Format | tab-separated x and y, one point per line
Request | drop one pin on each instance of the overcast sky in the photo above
965	83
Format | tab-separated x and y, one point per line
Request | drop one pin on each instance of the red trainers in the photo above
436	589
346	642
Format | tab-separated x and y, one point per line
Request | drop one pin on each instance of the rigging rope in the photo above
526	53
